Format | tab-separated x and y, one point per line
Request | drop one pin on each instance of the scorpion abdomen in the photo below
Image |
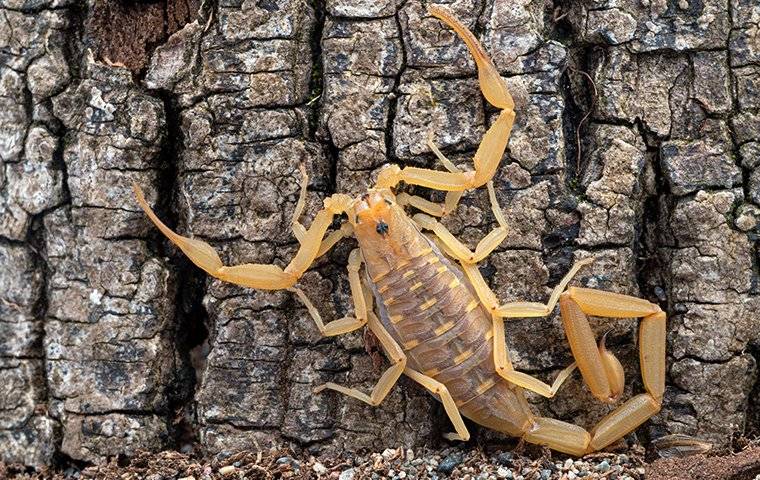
427	305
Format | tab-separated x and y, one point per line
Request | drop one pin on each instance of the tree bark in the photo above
637	143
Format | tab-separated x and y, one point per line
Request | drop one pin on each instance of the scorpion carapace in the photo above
439	323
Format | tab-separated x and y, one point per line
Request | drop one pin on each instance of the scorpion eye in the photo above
382	227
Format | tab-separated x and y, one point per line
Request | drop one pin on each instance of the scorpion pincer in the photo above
436	318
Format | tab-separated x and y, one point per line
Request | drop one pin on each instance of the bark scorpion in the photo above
436	318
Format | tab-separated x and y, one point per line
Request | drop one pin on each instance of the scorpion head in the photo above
386	235
373	213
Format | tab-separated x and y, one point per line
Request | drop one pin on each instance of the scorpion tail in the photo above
491	84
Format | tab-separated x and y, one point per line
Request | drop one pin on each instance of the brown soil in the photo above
268	465
739	466
125	32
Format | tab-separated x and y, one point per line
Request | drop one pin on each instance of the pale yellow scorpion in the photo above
436	318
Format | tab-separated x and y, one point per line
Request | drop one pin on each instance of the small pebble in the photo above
505	458
227	470
187	478
347	474
568	464
319	469
389	454
502	472
603	466
582	473
449	463
571	475
546	474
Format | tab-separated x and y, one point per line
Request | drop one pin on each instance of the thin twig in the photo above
583	120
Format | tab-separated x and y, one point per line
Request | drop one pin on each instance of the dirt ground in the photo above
477	463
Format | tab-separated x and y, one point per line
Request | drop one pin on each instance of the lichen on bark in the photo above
636	143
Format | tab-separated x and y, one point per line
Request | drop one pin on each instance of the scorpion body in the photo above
430	309
437	319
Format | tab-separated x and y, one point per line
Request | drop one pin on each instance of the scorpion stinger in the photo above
491	149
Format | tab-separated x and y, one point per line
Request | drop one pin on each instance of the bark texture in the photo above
637	143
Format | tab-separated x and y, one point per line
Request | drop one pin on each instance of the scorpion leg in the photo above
506	371
362	306
345	230
299	231
494	142
345	324
452	198
535	309
431	208
261	276
387	380
520	310
437	388
456	248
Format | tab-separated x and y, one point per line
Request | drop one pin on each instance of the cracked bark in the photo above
110	341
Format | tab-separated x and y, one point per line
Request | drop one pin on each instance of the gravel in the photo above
472	463
392	464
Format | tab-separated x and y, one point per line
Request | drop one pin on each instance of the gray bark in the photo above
110	341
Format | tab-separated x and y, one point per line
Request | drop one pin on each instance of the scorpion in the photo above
436	318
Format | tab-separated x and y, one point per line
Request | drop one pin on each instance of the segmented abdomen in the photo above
427	305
